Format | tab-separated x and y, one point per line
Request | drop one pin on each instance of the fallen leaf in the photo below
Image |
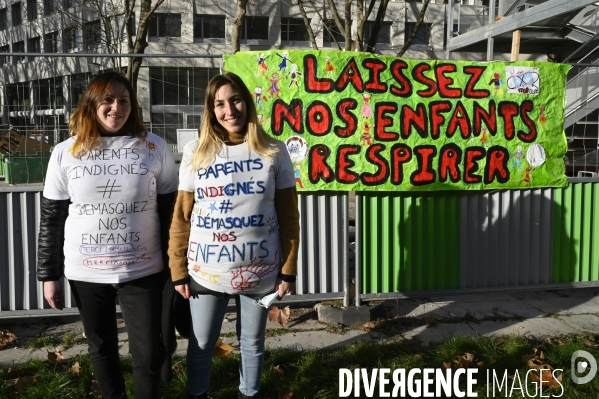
11	382
590	344
280	315
464	360
24	383
446	365
6	338
75	369
369	325
547	379
278	369
222	349
56	356
95	389
430	321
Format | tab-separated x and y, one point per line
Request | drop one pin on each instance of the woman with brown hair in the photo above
235	231
109	190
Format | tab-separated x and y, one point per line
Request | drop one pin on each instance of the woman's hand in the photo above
284	287
183	289
53	294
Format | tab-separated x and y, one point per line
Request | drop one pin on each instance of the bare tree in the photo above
416	27
342	27
238	25
300	4
109	24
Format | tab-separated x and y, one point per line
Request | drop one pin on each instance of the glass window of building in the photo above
423	36
49	7
70	39
293	29
49	93
384	36
15	10
4	59
92	34
3	20
165	125
34	45
179	86
31	10
68	4
165	25
254	28
51	42
19	47
17	97
208	26
79	83
331	32
193	121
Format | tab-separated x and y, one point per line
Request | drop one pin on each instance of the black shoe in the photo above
200	396
242	396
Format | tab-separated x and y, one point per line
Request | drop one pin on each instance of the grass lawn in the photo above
315	374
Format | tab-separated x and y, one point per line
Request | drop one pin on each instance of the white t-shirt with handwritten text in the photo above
234	244
112	231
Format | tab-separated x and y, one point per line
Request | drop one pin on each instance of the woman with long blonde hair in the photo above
235	231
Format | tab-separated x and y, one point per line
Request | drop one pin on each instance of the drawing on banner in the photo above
522	80
298	149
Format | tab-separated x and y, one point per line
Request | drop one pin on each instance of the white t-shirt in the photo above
112	231
234	244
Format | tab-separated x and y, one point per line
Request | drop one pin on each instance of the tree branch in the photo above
416	27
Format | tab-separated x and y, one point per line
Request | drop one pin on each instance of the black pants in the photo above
141	302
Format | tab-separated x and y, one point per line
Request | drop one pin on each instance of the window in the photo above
254	28
31	10
194	121
19	47
384	36
92	34
165	25
68	4
51	42
34	45
49	7
79	83
49	94
422	36
3	20
4	59
332	33
208	26
70	39
293	29
15	9
179	86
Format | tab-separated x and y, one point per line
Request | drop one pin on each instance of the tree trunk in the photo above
416	27
238	25
300	4
378	23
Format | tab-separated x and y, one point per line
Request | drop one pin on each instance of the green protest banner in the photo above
360	121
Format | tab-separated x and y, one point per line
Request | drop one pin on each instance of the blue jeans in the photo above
141	304
207	314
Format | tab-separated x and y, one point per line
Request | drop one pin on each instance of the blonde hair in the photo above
84	124
213	135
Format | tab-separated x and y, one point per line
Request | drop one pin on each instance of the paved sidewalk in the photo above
431	319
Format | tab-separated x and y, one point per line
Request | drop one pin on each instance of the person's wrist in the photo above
288	278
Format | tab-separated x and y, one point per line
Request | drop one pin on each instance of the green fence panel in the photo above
24	169
576	233
410	241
